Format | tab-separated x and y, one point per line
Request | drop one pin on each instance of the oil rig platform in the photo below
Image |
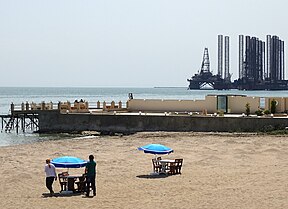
261	66
205	77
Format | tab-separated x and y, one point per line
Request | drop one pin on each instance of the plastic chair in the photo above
62	177
178	166
81	184
156	165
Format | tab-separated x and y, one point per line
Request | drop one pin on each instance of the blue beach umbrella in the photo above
157	149
68	162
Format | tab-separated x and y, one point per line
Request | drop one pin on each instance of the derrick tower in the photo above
205	67
205	78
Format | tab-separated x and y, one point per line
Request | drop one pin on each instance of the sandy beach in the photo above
220	170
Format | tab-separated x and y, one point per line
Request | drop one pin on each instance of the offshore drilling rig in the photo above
253	75
256	73
220	81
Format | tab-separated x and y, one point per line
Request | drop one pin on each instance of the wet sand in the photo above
220	170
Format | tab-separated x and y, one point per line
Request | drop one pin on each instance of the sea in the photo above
17	95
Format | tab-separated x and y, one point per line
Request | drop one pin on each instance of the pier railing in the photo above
68	107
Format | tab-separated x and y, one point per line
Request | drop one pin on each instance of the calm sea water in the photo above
17	95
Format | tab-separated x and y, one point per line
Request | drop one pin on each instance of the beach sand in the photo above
220	170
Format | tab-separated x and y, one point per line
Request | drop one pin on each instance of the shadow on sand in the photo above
152	176
57	194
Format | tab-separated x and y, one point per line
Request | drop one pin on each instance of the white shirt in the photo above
50	171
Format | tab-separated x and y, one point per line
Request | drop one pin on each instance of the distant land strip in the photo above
165	87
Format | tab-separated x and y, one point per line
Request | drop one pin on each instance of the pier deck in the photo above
20	120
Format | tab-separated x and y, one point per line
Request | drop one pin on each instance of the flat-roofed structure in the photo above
234	104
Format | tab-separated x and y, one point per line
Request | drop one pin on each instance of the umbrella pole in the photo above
67	179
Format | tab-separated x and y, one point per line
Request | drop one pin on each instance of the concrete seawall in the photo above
53	121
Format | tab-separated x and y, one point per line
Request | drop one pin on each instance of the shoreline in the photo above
92	134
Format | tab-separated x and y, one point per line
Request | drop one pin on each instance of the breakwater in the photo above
55	122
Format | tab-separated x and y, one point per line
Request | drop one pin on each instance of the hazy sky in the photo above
125	43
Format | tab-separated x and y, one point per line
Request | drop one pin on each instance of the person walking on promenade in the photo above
50	175
90	172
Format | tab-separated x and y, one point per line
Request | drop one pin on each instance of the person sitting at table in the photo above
90	172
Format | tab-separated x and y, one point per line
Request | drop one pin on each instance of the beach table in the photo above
70	183
165	164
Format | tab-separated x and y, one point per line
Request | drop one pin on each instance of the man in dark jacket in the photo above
90	172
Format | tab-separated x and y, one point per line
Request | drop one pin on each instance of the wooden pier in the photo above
19	121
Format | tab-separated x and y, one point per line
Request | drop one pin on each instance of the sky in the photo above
125	43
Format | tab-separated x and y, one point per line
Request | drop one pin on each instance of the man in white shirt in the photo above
50	175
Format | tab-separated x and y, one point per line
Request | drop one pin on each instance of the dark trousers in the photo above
49	182
91	183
